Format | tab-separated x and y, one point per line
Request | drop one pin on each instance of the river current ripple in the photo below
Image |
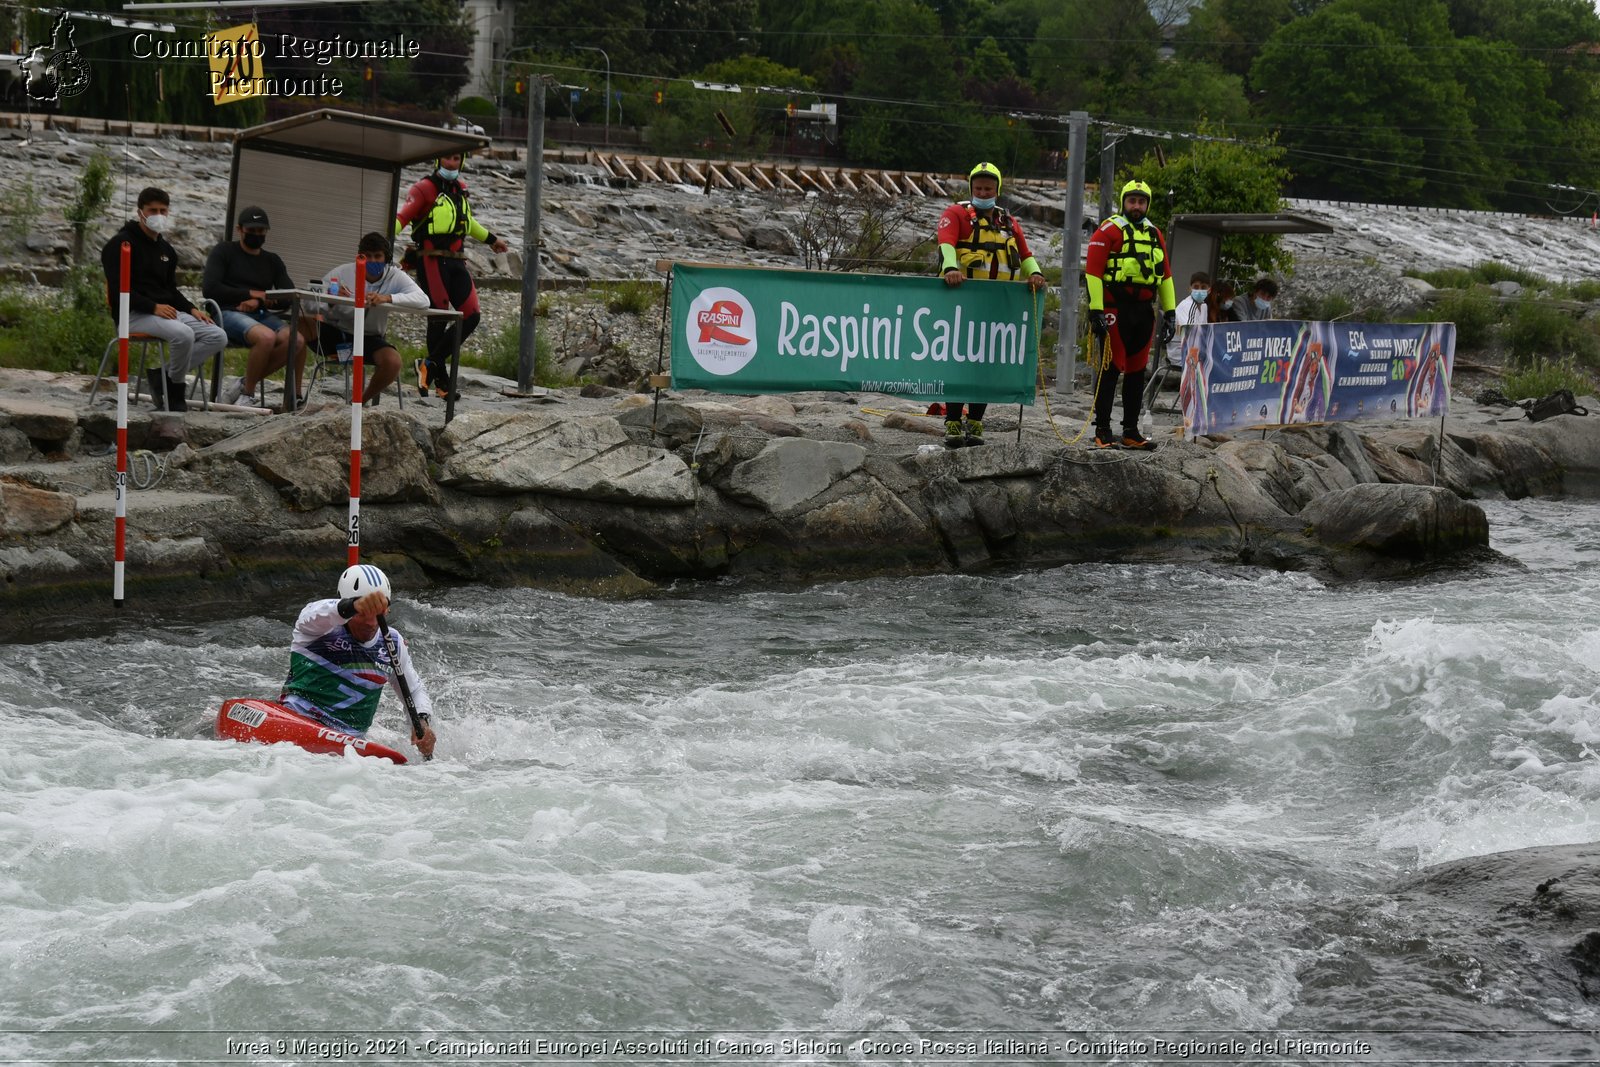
1096	800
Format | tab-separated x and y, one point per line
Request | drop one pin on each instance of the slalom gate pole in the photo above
357	375
120	553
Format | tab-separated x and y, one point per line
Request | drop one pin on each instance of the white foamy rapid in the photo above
1093	798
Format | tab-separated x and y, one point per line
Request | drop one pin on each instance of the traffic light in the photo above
368	76
519	86
658	97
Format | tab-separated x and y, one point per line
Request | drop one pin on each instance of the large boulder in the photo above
792	470
48	423
1414	522
1573	445
26	510
308	457
534	452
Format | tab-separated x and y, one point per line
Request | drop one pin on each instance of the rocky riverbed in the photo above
602	491
608	490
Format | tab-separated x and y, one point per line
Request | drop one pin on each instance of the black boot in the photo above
176	400
158	388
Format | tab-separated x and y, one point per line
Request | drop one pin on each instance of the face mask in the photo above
254	240
375	271
1199	295
1263	305
159	224
983	203
449	175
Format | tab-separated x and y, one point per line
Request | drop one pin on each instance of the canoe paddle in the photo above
400	678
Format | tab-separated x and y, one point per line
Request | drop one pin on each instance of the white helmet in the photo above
362	579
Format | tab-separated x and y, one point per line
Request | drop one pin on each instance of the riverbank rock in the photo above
616	495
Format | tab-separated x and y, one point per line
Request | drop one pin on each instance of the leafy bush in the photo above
1544	377
1473	310
476	107
1539	331
1492	271
1325	308
1447	278
635	297
96	186
1587	290
1222	176
503	356
67	330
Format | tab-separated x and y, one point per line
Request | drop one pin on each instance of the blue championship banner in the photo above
1278	372
777	331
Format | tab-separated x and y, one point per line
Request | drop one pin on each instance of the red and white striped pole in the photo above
120	554
357	375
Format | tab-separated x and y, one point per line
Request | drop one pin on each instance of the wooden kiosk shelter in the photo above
327	177
1196	240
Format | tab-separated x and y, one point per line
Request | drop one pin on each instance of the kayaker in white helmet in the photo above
339	659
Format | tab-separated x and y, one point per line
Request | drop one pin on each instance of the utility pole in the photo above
530	234
1072	251
1108	171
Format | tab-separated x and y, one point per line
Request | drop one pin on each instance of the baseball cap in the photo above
254	216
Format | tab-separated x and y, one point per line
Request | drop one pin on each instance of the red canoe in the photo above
266	722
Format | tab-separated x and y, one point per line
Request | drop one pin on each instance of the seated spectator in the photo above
1191	312
155	305
237	276
386	284
1259	304
1220	302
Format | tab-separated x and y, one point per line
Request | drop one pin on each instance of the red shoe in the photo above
1104	440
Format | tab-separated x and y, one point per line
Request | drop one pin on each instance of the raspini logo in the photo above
721	331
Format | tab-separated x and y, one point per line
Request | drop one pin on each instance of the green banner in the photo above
783	331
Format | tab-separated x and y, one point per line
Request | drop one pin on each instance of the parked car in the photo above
463	125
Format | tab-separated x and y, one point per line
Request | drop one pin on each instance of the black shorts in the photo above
330	337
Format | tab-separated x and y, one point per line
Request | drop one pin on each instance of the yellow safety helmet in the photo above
1135	187
985	170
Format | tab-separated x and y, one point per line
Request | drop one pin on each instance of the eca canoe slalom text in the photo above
959	1046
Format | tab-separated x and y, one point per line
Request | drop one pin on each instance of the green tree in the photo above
1222	177
687	34
1178	91
96	187
1230	33
1014	26
687	123
1095	55
1368	99
905	57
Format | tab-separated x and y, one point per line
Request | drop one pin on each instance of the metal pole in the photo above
1108	171
607	58
1072	251
530	234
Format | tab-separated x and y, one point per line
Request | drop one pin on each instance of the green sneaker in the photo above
952	434
974	431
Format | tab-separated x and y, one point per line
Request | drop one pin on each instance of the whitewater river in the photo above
1079	811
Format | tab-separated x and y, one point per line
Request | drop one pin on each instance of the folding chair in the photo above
164	356
1168	364
343	359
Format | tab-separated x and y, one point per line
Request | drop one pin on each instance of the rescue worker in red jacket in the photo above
440	217
979	240
1127	268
